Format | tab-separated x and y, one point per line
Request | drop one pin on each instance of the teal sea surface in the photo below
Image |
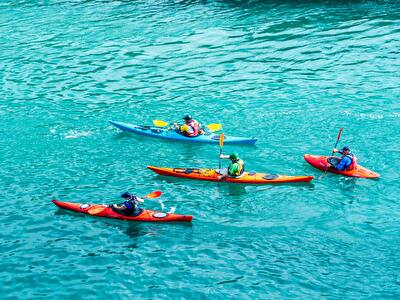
291	73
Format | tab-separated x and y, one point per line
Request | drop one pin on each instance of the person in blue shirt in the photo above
345	163
130	206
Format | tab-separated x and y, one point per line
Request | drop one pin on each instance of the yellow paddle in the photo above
221	144
160	123
214	127
97	210
211	127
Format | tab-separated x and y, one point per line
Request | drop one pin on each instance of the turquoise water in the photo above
291	74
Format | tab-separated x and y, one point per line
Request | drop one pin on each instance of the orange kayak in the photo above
105	211
320	162
212	175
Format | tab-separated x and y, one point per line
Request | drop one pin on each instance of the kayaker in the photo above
345	163
191	128
235	168
130	206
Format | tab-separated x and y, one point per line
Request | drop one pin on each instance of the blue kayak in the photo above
171	134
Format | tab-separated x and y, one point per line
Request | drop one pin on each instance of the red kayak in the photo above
105	211
320	162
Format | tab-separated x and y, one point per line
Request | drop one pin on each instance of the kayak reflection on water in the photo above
236	189
130	207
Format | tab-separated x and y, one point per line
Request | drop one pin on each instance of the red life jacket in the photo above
195	126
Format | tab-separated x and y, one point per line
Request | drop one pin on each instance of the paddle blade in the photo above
338	138
160	123
154	194
214	127
340	133
221	140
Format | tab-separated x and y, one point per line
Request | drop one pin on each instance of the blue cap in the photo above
346	148
126	195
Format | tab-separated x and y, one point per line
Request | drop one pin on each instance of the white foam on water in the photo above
74	134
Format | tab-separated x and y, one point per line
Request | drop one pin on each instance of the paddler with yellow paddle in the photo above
236	166
191	127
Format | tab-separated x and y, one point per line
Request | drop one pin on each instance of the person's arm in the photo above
175	126
337	151
119	206
223	175
139	199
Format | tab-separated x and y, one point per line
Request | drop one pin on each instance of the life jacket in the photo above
195	127
241	168
353	164
131	204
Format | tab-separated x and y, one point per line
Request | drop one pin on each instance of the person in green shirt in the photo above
235	168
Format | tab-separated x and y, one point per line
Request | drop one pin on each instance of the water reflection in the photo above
234	189
132	229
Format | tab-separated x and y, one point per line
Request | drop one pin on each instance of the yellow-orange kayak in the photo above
212	175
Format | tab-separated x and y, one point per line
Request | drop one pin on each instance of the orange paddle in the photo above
154	194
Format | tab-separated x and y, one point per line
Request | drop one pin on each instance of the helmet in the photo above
187	117
234	156
126	195
346	148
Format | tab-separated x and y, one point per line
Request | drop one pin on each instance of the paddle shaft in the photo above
337	141
221	144
219	162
